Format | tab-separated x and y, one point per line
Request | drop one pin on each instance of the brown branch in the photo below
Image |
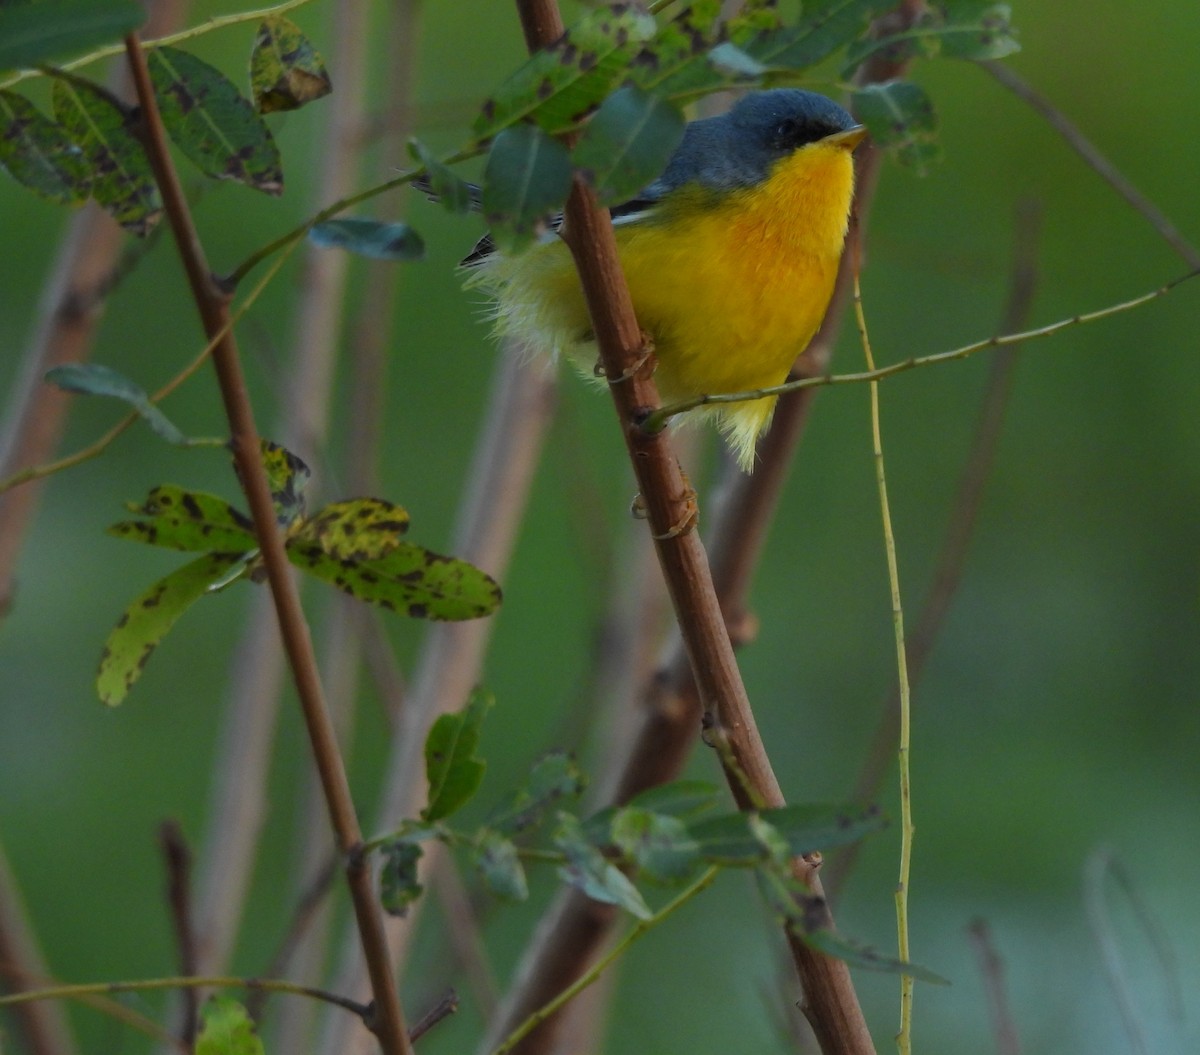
388	1021
178	860
730	724
960	529
1095	160
992	968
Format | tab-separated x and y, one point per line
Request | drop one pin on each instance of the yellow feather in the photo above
731	288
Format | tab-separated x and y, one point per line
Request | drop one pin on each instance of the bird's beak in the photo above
848	139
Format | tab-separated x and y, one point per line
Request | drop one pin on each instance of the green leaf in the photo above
627	143
31	34
287	476
212	123
188	520
92	379
122	181
856	955
900	117
680	798
453	771
286	71
527	179
590	872
226	1029
559	85
147	620
451	192
410	580
689	56
732	839
371	238
355	530
659	845
498	862
39	154
824	27
959	29
398	886
553	778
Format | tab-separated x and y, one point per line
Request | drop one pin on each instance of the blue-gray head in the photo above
738	148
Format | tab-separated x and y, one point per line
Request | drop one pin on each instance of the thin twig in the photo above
953	553
656	420
466	939
636	932
991	966
276	985
178	859
388	1016
156	40
445	1007
1095	160
904	1037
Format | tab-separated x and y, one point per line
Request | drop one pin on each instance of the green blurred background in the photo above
1058	713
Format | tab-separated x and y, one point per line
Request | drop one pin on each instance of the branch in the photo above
178	860
213	308
1095	160
669	503
992	969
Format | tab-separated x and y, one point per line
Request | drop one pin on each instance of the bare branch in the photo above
992	969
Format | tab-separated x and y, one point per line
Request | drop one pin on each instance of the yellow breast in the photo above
731	289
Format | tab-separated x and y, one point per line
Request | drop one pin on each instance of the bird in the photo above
730	256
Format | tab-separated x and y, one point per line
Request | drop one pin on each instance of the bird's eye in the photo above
787	134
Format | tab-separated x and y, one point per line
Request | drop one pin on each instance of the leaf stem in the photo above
904	1037
637	931
657	420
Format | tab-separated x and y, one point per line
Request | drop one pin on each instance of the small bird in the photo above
730	256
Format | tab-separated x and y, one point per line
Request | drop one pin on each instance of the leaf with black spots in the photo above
357	529
398	886
590	872
92	379
286	71
38	154
287	476
823	28
146	622
409	580
684	58
31	34
370	238
122	181
627	143
191	521
526	181
560	84
227	1029
212	123
453	770
957	29
901	119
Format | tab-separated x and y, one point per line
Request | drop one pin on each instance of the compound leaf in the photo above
526	181
31	34
398	886
188	520
590	872
370	238
900	118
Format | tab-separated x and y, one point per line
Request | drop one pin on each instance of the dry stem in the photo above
213	307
